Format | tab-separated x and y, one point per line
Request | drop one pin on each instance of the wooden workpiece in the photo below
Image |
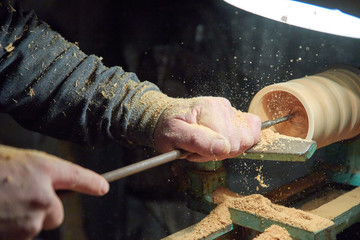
326	106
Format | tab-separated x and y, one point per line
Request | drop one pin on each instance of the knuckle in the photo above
246	143
235	148
249	143
195	140
254	119
55	219
226	102
223	103
41	199
30	228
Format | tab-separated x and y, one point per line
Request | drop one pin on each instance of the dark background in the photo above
188	48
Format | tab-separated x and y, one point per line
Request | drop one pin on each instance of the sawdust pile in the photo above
218	219
274	232
257	204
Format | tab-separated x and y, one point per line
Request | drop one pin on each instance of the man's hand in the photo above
208	127
28	180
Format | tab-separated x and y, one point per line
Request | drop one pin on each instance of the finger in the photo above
69	176
29	227
54	215
201	140
73	177
198	158
254	122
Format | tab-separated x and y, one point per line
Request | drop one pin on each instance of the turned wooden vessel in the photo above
326	106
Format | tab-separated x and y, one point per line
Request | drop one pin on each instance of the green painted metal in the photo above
347	178
346	155
347	219
208	166
202	184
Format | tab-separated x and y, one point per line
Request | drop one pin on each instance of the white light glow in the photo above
303	15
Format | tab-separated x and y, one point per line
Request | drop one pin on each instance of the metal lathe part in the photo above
143	165
269	123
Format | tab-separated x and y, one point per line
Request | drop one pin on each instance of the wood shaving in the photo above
31	92
274	232
260	177
10	47
267	138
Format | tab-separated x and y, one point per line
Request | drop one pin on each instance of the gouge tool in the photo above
291	150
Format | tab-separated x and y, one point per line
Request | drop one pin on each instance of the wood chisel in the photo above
176	154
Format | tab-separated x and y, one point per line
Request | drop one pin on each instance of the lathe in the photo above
327	110
331	191
327	106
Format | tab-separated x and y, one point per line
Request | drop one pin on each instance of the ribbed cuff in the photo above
145	115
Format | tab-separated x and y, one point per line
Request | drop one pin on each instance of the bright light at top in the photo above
303	15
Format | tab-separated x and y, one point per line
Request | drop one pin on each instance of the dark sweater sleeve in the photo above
50	86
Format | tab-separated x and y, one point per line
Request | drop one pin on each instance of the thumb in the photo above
69	176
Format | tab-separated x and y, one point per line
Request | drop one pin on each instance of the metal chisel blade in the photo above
283	149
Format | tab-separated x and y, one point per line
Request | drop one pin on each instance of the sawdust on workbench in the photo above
222	194
257	204
274	232
218	218
261	206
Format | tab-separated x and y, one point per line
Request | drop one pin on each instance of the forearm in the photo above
49	85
